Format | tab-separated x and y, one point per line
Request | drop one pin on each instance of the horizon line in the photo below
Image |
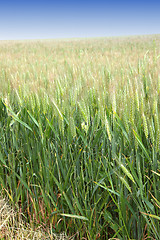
81	38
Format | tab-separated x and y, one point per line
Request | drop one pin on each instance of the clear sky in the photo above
37	19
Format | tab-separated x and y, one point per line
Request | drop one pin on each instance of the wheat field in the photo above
80	136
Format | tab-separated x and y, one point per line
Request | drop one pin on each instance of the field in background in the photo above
80	135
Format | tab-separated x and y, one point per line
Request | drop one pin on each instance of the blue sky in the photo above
71	19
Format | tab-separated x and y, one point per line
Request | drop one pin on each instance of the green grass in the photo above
80	135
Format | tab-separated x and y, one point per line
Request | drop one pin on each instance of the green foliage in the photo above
81	152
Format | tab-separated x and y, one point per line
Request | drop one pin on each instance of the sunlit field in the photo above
80	136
